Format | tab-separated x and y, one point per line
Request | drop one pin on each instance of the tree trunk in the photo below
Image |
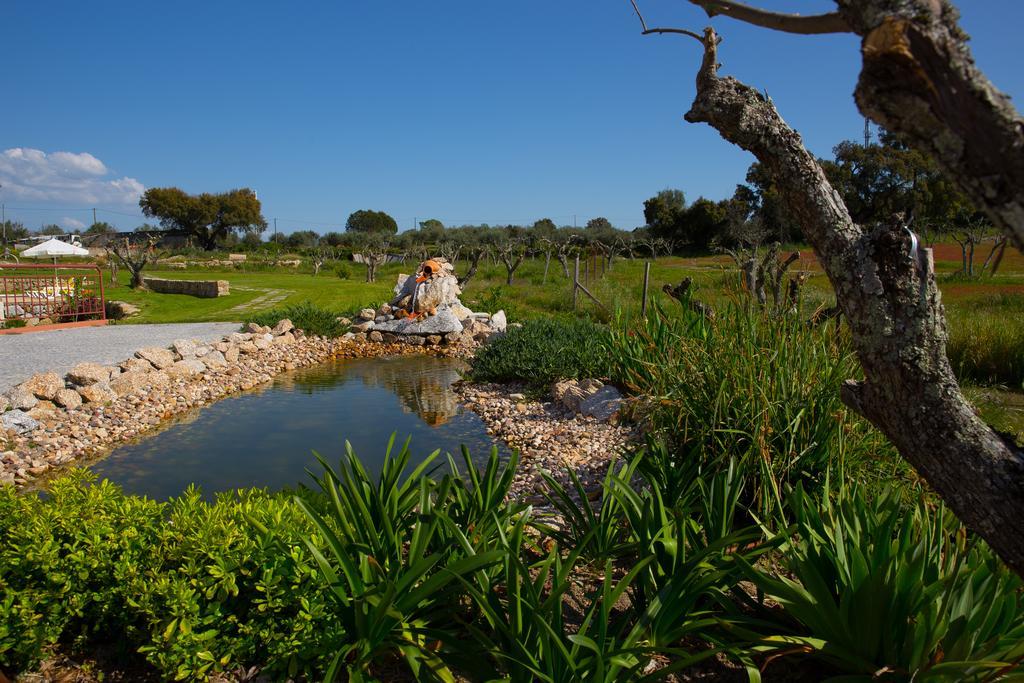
919	79
894	309
474	261
137	282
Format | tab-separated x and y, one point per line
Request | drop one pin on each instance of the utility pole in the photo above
275	230
94	216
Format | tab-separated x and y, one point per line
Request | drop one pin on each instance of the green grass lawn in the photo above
976	307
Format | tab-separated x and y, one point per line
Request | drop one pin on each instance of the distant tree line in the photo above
876	178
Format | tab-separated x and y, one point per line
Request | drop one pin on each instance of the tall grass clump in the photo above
544	351
748	386
986	341
307	316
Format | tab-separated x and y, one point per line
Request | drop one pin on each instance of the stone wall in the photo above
204	289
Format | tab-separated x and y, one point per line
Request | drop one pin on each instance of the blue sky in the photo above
464	111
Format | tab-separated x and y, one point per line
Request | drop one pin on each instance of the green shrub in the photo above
748	387
881	592
439	576
343	271
543	351
308	317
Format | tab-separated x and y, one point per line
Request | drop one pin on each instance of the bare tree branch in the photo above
647	31
814	24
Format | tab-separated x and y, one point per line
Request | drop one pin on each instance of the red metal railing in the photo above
51	291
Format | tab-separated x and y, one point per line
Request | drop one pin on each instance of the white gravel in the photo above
23	355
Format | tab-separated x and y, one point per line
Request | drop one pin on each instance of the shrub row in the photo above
439	577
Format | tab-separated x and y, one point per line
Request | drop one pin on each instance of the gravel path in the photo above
23	355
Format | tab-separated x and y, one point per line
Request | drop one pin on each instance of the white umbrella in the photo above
54	248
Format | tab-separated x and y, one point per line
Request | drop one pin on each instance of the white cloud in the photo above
63	177
71	223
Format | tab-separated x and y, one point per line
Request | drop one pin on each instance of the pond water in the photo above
266	437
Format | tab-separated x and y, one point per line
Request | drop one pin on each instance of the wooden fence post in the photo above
647	279
576	283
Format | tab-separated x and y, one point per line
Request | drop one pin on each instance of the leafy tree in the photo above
51	229
599	225
207	217
100	228
251	240
369	221
880	179
303	238
333	239
766	203
702	222
278	238
13	230
543	229
664	213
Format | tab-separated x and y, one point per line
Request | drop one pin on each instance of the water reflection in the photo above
265	437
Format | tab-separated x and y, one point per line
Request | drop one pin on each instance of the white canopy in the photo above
54	248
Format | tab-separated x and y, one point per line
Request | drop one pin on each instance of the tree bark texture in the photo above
919	79
886	288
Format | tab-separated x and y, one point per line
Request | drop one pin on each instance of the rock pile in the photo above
548	435
588	397
426	310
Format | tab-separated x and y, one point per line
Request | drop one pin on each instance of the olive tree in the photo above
919	80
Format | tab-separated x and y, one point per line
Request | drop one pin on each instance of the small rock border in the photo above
50	421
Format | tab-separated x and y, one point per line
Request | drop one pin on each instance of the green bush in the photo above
882	592
191	585
308	317
343	271
438	576
747	387
544	351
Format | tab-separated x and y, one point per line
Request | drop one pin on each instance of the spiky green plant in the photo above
881	591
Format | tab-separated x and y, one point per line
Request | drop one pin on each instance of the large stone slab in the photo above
602	404
45	385
443	322
85	374
18	422
160	358
204	289
21	398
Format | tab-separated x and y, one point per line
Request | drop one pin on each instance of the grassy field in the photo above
986	315
984	308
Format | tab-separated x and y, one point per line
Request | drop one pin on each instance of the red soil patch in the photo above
957	290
